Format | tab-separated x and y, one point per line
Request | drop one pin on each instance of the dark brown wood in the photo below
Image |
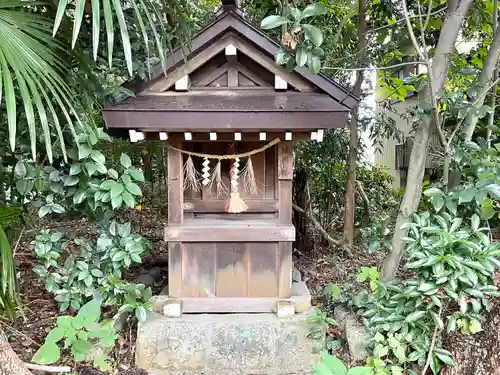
301	300
214	74
198	276
232	77
175	183
230	233
228	21
270	169
285	160
285	202
175	269
258	80
285	267
219	206
232	270
152	134
262	269
225	121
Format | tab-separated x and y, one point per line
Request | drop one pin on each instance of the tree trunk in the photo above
486	75
416	167
10	364
477	354
350	197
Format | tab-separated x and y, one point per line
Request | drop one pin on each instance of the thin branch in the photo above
431	348
377	67
343	22
428	18
19	333
410	31
326	236
17	243
403	20
491	117
42	368
472	107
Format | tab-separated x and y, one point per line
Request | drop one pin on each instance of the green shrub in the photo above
80	334
94	267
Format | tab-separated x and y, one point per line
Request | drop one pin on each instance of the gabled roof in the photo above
231	21
308	101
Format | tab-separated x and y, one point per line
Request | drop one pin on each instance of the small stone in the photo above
145	279
285	309
172	308
123	367
354	332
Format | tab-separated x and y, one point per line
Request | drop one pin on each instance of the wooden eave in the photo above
235	111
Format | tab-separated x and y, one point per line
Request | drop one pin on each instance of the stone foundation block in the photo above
226	344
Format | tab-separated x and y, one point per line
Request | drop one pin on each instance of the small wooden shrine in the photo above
230	115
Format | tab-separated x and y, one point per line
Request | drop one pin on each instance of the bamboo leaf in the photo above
61	10
96	26
79	9
108	20
10	101
124	32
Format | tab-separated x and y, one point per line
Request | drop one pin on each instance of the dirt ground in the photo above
317	268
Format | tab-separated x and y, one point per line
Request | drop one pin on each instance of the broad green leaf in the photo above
116	189
135	174
315	65
107	185
128	199
360	371
75	169
47	354
321	369
301	57
433	192
71	180
466	195
125	161
475	326
413	317
141	314
493	190
270	22
334	364
314	34
445	359
56	334
20	169
112	173
98	157
116	202
315	9
133	189
90	313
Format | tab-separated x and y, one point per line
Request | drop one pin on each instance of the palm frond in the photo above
32	64
114	9
8	281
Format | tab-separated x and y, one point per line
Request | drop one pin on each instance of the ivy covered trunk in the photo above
477	354
10	364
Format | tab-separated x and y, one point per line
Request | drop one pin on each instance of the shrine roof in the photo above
212	102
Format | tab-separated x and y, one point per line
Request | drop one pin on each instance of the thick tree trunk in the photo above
10	364
477	354
416	167
350	197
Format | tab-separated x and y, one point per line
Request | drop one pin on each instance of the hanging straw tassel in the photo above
191	181
249	178
235	204
221	188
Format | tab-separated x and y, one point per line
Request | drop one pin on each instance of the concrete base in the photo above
226	344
